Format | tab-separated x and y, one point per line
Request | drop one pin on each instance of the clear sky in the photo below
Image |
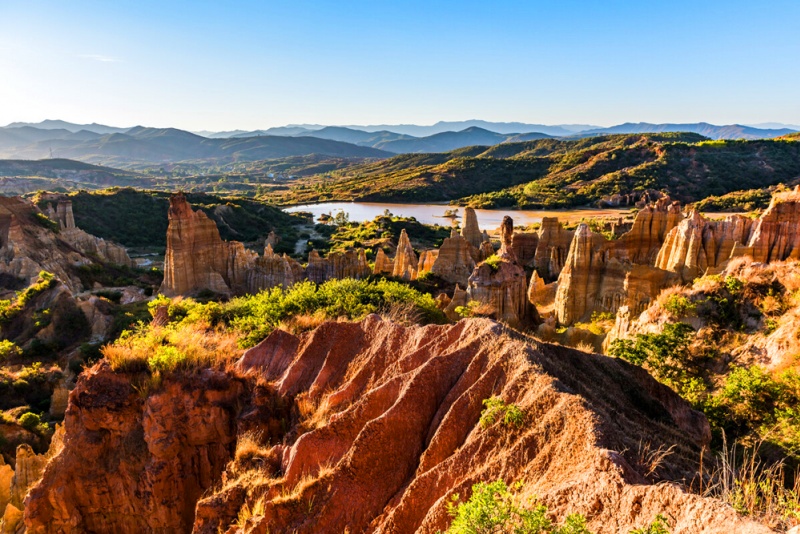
253	64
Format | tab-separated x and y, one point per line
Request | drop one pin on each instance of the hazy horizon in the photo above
203	66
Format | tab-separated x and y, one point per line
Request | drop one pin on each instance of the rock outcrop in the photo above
398	434
273	270
552	248
27	246
501	284
84	242
427	259
405	263
776	234
455	262
348	264
134	465
471	231
198	259
697	246
524	245
383	264
602	275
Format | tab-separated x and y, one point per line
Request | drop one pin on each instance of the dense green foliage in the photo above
378	233
197	333
494	508
736	201
552	173
257	315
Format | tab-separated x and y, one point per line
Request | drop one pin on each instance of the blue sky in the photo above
226	65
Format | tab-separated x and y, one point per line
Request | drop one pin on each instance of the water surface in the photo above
434	213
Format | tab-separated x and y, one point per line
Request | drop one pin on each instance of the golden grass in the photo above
298	324
248	511
313	413
192	345
296	491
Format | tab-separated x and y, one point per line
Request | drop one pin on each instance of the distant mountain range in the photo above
732	131
97	143
160	145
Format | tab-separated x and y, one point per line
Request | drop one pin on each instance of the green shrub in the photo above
29	421
658	526
166	359
496	409
493	508
679	306
8	350
493	261
665	354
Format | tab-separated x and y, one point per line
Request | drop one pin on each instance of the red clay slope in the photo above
397	433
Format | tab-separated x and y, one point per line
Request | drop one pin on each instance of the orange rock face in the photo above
524	245
400	434
197	258
383	264
131	465
776	234
602	275
697	246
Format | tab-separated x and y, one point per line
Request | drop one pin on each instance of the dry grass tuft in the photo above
296	492
313	413
405	313
246	512
304	322
756	489
649	460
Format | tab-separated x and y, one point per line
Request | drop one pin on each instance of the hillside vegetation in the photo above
553	173
139	218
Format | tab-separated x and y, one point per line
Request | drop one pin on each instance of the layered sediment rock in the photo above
405	262
455	261
427	259
552	248
650	228
273	270
348	264
84	242
383	264
471	231
198	259
776	234
602	275
697	246
28	247
399	434
524	245
501	285
134	465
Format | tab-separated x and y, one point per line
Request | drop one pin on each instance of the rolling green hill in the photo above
550	173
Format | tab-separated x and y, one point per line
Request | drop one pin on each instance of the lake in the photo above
434	213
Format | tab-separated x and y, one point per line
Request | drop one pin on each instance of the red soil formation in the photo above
394	432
